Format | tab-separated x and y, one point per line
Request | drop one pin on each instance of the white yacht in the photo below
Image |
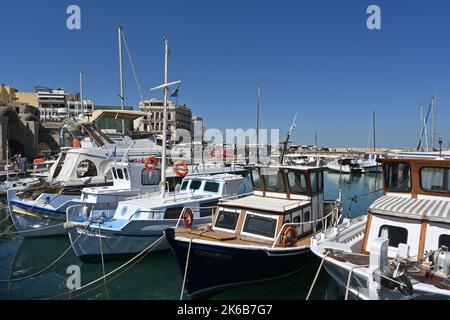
369	162
344	164
400	249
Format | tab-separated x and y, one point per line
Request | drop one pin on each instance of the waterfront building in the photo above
178	117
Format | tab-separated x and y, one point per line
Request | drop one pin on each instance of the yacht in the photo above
400	248
345	164
256	237
139	221
369	162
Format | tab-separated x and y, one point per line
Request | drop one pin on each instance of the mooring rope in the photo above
316	276
31	230
51	264
103	260
137	257
186	269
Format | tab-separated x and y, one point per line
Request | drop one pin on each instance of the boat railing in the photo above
333	213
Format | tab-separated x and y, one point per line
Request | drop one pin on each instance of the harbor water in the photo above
156	276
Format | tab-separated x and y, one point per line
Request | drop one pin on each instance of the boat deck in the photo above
221	237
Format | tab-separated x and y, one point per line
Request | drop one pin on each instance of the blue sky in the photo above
313	57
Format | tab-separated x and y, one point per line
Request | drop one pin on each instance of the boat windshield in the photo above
434	179
273	180
397	177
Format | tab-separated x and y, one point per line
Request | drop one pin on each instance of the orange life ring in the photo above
180	168
76	143
288	236
153	163
38	160
188	217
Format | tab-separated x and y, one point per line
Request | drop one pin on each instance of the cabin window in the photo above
297	182
207	209
184	185
211	187
120	174
320	181
306	216
296	219
114	173
256	180
227	220
435	179
150	177
173	213
397	177
444	240
316	180
274	181
259	225
195	185
396	235
125	172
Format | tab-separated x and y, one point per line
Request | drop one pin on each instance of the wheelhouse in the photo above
415	208
282	196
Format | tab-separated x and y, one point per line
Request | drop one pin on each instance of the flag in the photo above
175	92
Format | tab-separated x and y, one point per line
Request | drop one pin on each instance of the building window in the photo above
396	235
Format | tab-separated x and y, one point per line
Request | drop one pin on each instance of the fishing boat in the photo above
257	237
345	164
139	221
400	248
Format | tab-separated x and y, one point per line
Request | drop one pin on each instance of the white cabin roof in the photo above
431	209
265	204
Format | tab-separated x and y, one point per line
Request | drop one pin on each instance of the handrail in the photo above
335	211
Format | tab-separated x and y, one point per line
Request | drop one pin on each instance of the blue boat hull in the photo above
214	267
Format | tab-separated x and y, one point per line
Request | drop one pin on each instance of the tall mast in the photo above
432	123
81	94
166	89
373	124
257	124
122	97
421	123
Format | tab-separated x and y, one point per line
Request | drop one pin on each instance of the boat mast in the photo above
81	94
122	97
373	124
164	137
257	125
288	136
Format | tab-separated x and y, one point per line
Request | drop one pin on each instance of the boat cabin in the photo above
283	196
414	212
129	179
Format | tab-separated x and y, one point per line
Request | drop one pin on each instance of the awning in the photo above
117	114
430	209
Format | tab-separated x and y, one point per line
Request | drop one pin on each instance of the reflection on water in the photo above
157	276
